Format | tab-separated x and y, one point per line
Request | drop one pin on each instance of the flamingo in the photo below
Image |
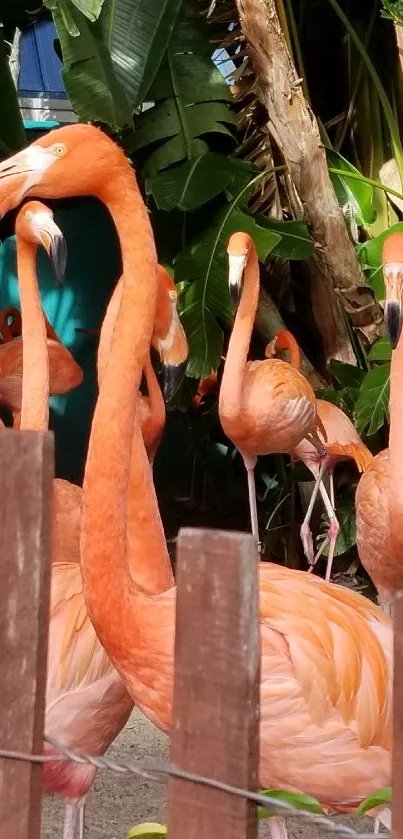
325	725
87	704
264	406
151	408
379	498
342	442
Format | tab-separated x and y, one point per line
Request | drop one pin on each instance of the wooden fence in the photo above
217	661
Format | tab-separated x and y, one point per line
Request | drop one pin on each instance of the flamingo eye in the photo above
59	150
173	296
28	215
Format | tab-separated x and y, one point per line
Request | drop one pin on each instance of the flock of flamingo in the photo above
326	667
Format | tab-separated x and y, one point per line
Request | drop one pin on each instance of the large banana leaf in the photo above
111	54
89	78
191	112
370	256
191	184
201	272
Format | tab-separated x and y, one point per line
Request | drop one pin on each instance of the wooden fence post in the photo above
215	726
397	751
26	472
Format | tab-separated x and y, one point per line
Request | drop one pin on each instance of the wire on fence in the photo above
159	772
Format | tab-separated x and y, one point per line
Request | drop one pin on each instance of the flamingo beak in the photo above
237	264
53	241
393	276
173	351
21	172
172	379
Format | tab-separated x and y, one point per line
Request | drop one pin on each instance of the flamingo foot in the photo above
307	543
384	817
278	828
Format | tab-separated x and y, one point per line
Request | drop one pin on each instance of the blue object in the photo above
40	66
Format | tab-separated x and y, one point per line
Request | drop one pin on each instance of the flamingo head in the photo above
74	160
238	251
35	225
392	266
169	337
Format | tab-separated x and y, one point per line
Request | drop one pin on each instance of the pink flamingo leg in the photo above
73	826
250	463
278	828
334	528
305	532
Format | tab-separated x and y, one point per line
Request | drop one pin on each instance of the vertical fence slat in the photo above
26	471
216	689
397	752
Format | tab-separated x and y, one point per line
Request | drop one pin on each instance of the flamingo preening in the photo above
325	726
342	442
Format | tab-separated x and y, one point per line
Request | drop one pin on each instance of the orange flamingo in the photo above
87	703
264	406
379	497
327	651
205	386
342	442
151	408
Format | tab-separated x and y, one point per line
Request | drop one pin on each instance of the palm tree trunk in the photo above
334	273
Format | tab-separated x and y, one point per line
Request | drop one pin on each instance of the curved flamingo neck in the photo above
285	341
114	602
35	358
232	381
396	453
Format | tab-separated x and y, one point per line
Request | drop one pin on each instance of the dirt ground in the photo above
117	802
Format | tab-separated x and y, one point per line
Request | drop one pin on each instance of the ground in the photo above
119	801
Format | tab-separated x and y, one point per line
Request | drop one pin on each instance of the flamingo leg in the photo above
81	820
250	463
306	535
278	828
334	528
71	820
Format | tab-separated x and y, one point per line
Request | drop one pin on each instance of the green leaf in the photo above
202	267
191	184
191	98
297	800
137	33
380	351
378	799
90	8
147	830
346	375
91	85
346	518
356	194
295	242
370	256
371	409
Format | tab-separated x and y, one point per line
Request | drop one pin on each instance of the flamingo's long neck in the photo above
113	601
289	343
35	358
232	381
396	454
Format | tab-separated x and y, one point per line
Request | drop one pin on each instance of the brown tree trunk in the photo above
333	270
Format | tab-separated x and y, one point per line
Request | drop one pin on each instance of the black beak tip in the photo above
58	256
173	378
234	293
393	322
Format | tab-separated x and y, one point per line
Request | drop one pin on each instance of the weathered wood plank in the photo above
397	751
216	691
26	472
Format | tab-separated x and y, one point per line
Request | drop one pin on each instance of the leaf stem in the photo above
356	176
387	108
